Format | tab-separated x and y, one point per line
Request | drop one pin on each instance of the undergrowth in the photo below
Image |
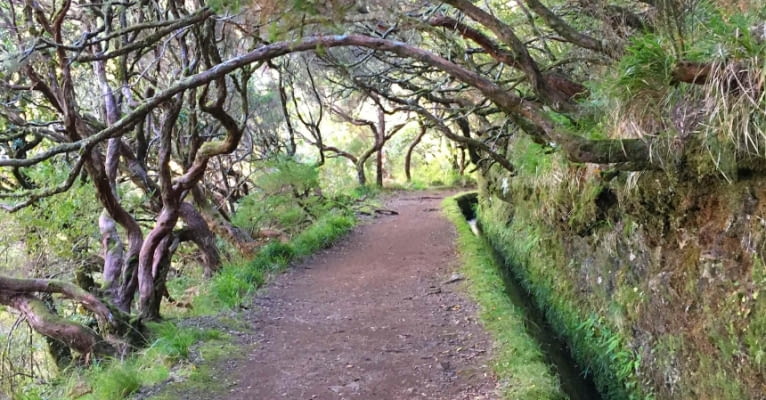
173	346
170	346
518	360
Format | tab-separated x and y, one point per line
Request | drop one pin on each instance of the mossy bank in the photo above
655	280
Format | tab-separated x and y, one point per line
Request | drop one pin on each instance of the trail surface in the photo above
374	317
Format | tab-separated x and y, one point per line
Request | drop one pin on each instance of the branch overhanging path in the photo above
507	101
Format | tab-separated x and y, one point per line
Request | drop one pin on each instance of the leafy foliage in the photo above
646	65
60	227
286	198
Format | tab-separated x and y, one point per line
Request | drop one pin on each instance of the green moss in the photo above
535	254
755	333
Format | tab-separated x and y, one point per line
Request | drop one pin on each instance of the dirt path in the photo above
371	318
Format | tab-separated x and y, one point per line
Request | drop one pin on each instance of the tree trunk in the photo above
156	244
463	161
380	135
75	336
239	238
453	154
61	353
103	171
292	147
129	275
114	252
150	309
199	232
410	150
360	175
105	194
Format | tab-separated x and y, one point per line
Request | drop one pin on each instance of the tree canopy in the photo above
166	101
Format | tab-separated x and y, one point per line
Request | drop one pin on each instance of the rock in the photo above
454	278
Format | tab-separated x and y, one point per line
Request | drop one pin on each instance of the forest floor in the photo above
380	315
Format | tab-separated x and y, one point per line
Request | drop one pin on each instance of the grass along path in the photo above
518	360
422	337
374	317
183	348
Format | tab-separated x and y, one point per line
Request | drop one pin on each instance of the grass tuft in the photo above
116	381
119	379
175	342
326	231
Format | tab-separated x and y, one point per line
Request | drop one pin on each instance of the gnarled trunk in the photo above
198	231
22	295
75	336
410	150
217	223
114	252
150	270
150	306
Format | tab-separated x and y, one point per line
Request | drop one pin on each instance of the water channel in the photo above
575	381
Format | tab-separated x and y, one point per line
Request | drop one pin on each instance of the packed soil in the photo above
380	315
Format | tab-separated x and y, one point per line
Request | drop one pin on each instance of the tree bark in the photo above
12	286
292	147
127	276
75	336
237	237
19	294
115	264
113	251
156	244
410	150
163	253
198	231
380	134
61	353
361	177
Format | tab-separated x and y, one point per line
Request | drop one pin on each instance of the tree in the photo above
174	77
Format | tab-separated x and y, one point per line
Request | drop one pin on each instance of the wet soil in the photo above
381	315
